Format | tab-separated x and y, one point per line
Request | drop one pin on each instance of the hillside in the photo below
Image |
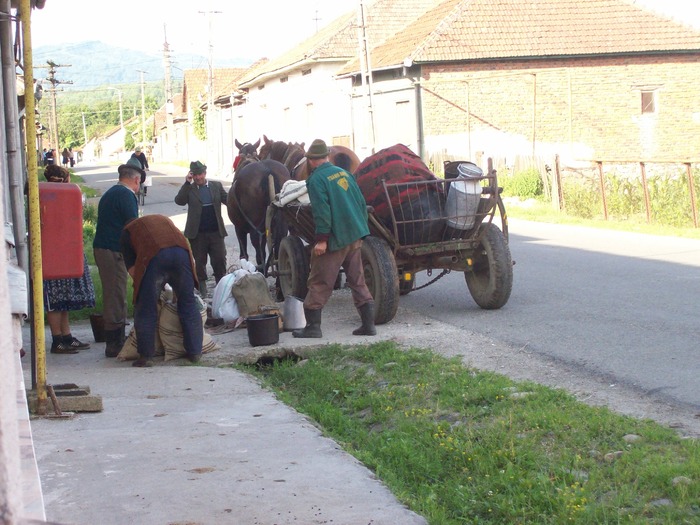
94	64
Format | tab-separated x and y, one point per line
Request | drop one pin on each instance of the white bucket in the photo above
293	314
463	197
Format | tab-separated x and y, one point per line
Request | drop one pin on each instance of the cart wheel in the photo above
491	278
381	276
293	267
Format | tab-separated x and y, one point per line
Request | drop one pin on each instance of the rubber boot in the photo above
367	316
114	342
313	325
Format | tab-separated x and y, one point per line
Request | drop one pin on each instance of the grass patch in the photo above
536	210
461	446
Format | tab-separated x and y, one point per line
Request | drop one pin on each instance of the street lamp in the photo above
121	110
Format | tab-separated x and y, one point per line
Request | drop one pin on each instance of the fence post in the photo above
557	177
691	187
647	201
602	189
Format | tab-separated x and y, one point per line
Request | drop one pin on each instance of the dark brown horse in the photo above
247	153
339	155
247	204
292	156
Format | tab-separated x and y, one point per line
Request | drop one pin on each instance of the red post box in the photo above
61	215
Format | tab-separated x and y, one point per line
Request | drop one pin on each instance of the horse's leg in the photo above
242	236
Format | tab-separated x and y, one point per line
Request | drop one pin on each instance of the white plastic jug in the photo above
463	197
293	314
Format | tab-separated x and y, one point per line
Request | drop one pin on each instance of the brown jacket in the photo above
150	234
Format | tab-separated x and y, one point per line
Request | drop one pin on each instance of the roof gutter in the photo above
264	77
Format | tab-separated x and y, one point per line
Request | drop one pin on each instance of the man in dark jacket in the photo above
205	226
340	217
117	206
155	253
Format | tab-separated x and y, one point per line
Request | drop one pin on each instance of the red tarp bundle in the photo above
419	209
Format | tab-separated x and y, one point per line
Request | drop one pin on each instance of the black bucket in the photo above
263	329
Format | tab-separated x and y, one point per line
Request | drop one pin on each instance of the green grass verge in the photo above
535	210
461	446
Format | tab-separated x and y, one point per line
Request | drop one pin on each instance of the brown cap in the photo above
317	150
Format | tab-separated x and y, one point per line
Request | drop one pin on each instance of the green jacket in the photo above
337	205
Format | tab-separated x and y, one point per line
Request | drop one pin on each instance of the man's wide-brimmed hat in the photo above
317	150
132	163
197	167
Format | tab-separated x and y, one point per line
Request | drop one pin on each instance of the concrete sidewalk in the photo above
183	444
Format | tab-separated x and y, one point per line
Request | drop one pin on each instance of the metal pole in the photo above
143	110
34	222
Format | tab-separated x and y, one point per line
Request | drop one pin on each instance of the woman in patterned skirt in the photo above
64	295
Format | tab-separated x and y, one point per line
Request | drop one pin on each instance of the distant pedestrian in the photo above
49	158
139	155
64	157
116	207
71	157
155	253
205	226
340	216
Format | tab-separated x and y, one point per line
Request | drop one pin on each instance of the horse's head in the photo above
247	153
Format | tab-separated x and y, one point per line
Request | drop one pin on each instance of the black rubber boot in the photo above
367	316
115	341
313	325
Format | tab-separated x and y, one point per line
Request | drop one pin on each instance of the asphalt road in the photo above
619	306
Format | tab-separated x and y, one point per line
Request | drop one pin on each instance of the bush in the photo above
526	184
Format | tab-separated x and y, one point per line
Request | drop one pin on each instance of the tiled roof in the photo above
338	41
196	83
458	30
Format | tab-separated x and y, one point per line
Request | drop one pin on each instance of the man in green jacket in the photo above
340	216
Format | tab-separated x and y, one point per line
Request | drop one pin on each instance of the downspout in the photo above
34	223
419	121
12	138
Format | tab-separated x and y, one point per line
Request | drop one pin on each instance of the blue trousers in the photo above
172	266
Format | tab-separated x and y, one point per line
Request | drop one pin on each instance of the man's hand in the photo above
320	247
189	177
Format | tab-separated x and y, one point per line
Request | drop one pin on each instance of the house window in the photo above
648	102
305	72
261	86
284	79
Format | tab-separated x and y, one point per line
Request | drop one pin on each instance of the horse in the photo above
247	153
292	155
247	203
340	156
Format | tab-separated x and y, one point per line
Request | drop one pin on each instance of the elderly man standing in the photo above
204	227
117	206
340	217
155	253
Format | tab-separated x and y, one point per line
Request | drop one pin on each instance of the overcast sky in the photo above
266	28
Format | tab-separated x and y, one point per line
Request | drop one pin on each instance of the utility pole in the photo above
169	106
212	153
366	68
143	109
51	79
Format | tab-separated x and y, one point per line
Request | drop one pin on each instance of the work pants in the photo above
172	266
324	271
212	245
113	276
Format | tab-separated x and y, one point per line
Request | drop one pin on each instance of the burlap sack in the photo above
129	351
170	331
253	297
